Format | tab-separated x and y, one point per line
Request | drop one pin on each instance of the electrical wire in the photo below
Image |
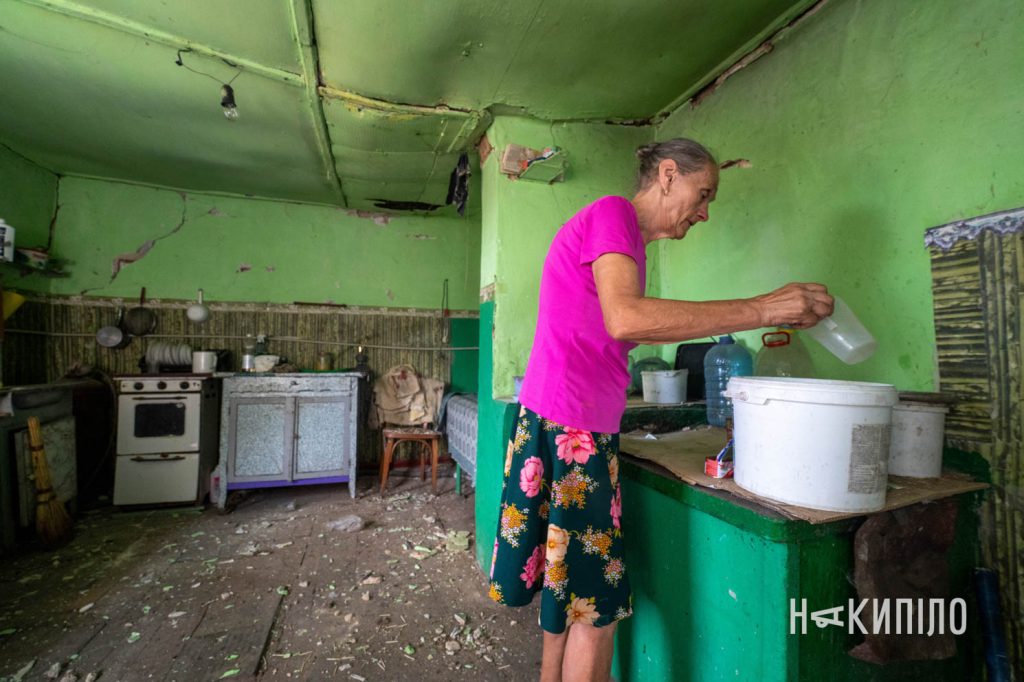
181	62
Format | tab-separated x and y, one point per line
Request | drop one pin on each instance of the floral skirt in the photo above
559	531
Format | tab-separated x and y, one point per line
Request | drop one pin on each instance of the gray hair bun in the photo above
690	157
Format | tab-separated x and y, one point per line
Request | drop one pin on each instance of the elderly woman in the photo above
560	531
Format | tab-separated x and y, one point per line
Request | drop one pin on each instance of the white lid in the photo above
759	390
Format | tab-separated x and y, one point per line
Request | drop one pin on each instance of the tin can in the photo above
324	362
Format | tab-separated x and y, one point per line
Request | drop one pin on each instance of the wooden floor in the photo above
268	591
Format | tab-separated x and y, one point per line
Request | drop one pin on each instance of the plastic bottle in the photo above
782	355
726	359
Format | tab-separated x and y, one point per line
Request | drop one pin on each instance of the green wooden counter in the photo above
712	576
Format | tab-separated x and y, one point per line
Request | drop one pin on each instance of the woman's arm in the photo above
631	316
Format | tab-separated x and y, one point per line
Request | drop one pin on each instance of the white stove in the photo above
167	426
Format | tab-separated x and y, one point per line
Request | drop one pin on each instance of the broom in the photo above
53	525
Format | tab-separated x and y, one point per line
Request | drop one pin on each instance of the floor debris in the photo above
295	584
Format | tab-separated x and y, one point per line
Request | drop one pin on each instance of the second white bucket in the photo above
667	387
918	432
812	442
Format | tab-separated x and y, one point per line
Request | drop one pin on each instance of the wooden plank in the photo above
232	635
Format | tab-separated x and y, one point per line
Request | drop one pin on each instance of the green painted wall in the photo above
527	215
520	218
28	194
870	123
295	252
494	419
465	333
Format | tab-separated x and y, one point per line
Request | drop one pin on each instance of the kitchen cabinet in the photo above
288	429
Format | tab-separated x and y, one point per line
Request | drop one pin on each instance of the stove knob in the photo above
161	385
138	386
184	385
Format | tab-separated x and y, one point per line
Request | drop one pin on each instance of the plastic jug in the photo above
727	359
844	335
782	355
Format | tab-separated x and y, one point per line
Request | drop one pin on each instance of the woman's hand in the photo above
631	316
799	305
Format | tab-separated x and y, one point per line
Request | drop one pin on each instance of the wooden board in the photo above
683	453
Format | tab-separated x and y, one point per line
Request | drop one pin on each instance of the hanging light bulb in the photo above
227	101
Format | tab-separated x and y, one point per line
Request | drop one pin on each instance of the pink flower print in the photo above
575	445
534	567
494	557
531	476
617	507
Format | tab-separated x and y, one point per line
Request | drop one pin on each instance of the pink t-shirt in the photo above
578	374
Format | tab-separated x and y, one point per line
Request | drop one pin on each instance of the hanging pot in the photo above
114	337
140	320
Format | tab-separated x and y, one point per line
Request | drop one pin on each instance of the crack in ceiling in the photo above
345	104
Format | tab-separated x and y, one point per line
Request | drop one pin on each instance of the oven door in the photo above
148	423
156	479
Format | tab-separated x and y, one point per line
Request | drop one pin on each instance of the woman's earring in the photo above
665	191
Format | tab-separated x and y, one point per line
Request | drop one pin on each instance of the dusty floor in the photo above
269	591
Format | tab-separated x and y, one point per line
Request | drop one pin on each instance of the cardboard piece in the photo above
683	453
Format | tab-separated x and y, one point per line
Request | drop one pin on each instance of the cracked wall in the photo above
252	250
521	217
867	125
28	197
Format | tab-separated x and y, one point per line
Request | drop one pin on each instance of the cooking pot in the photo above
114	337
140	320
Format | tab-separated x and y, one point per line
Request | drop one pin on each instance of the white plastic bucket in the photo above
665	386
917	435
812	442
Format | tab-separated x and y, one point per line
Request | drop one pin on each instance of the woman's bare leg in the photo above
588	653
551	660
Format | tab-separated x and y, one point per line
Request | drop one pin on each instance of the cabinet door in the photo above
260	439
322	434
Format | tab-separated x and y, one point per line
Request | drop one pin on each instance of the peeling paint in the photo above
270	268
747	59
381	219
422	237
390	294
130	257
755	54
215	212
736	163
487	293
244	267
484	148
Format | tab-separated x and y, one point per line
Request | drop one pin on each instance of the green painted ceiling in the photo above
342	103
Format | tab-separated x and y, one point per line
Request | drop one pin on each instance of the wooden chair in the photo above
429	439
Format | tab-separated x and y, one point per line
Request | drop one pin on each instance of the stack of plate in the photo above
161	354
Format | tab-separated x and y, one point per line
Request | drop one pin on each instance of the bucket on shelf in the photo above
666	387
918	432
813	442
